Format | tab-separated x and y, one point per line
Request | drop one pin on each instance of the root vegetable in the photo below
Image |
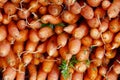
23	14
1	16
113	10
27	58
105	4
69	17
41	48
6	19
77	76
75	8
18	48
107	36
35	24
83	54
45	32
13	30
32	72
52	46
11	58
74	46
21	24
50	19
114	25
80	31
64	53
111	76
23	36
87	12
95	33
33	36
94	22
3	33
70	28
9	8
102	70
4	48
7	74
81	67
110	54
94	3
54	74
42	10
58	29
54	9
92	71
41	75
31	46
48	65
87	41
62	39
99	53
98	42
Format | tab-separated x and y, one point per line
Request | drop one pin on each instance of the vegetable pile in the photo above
59	39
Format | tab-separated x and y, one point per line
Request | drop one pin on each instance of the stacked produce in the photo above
59	39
